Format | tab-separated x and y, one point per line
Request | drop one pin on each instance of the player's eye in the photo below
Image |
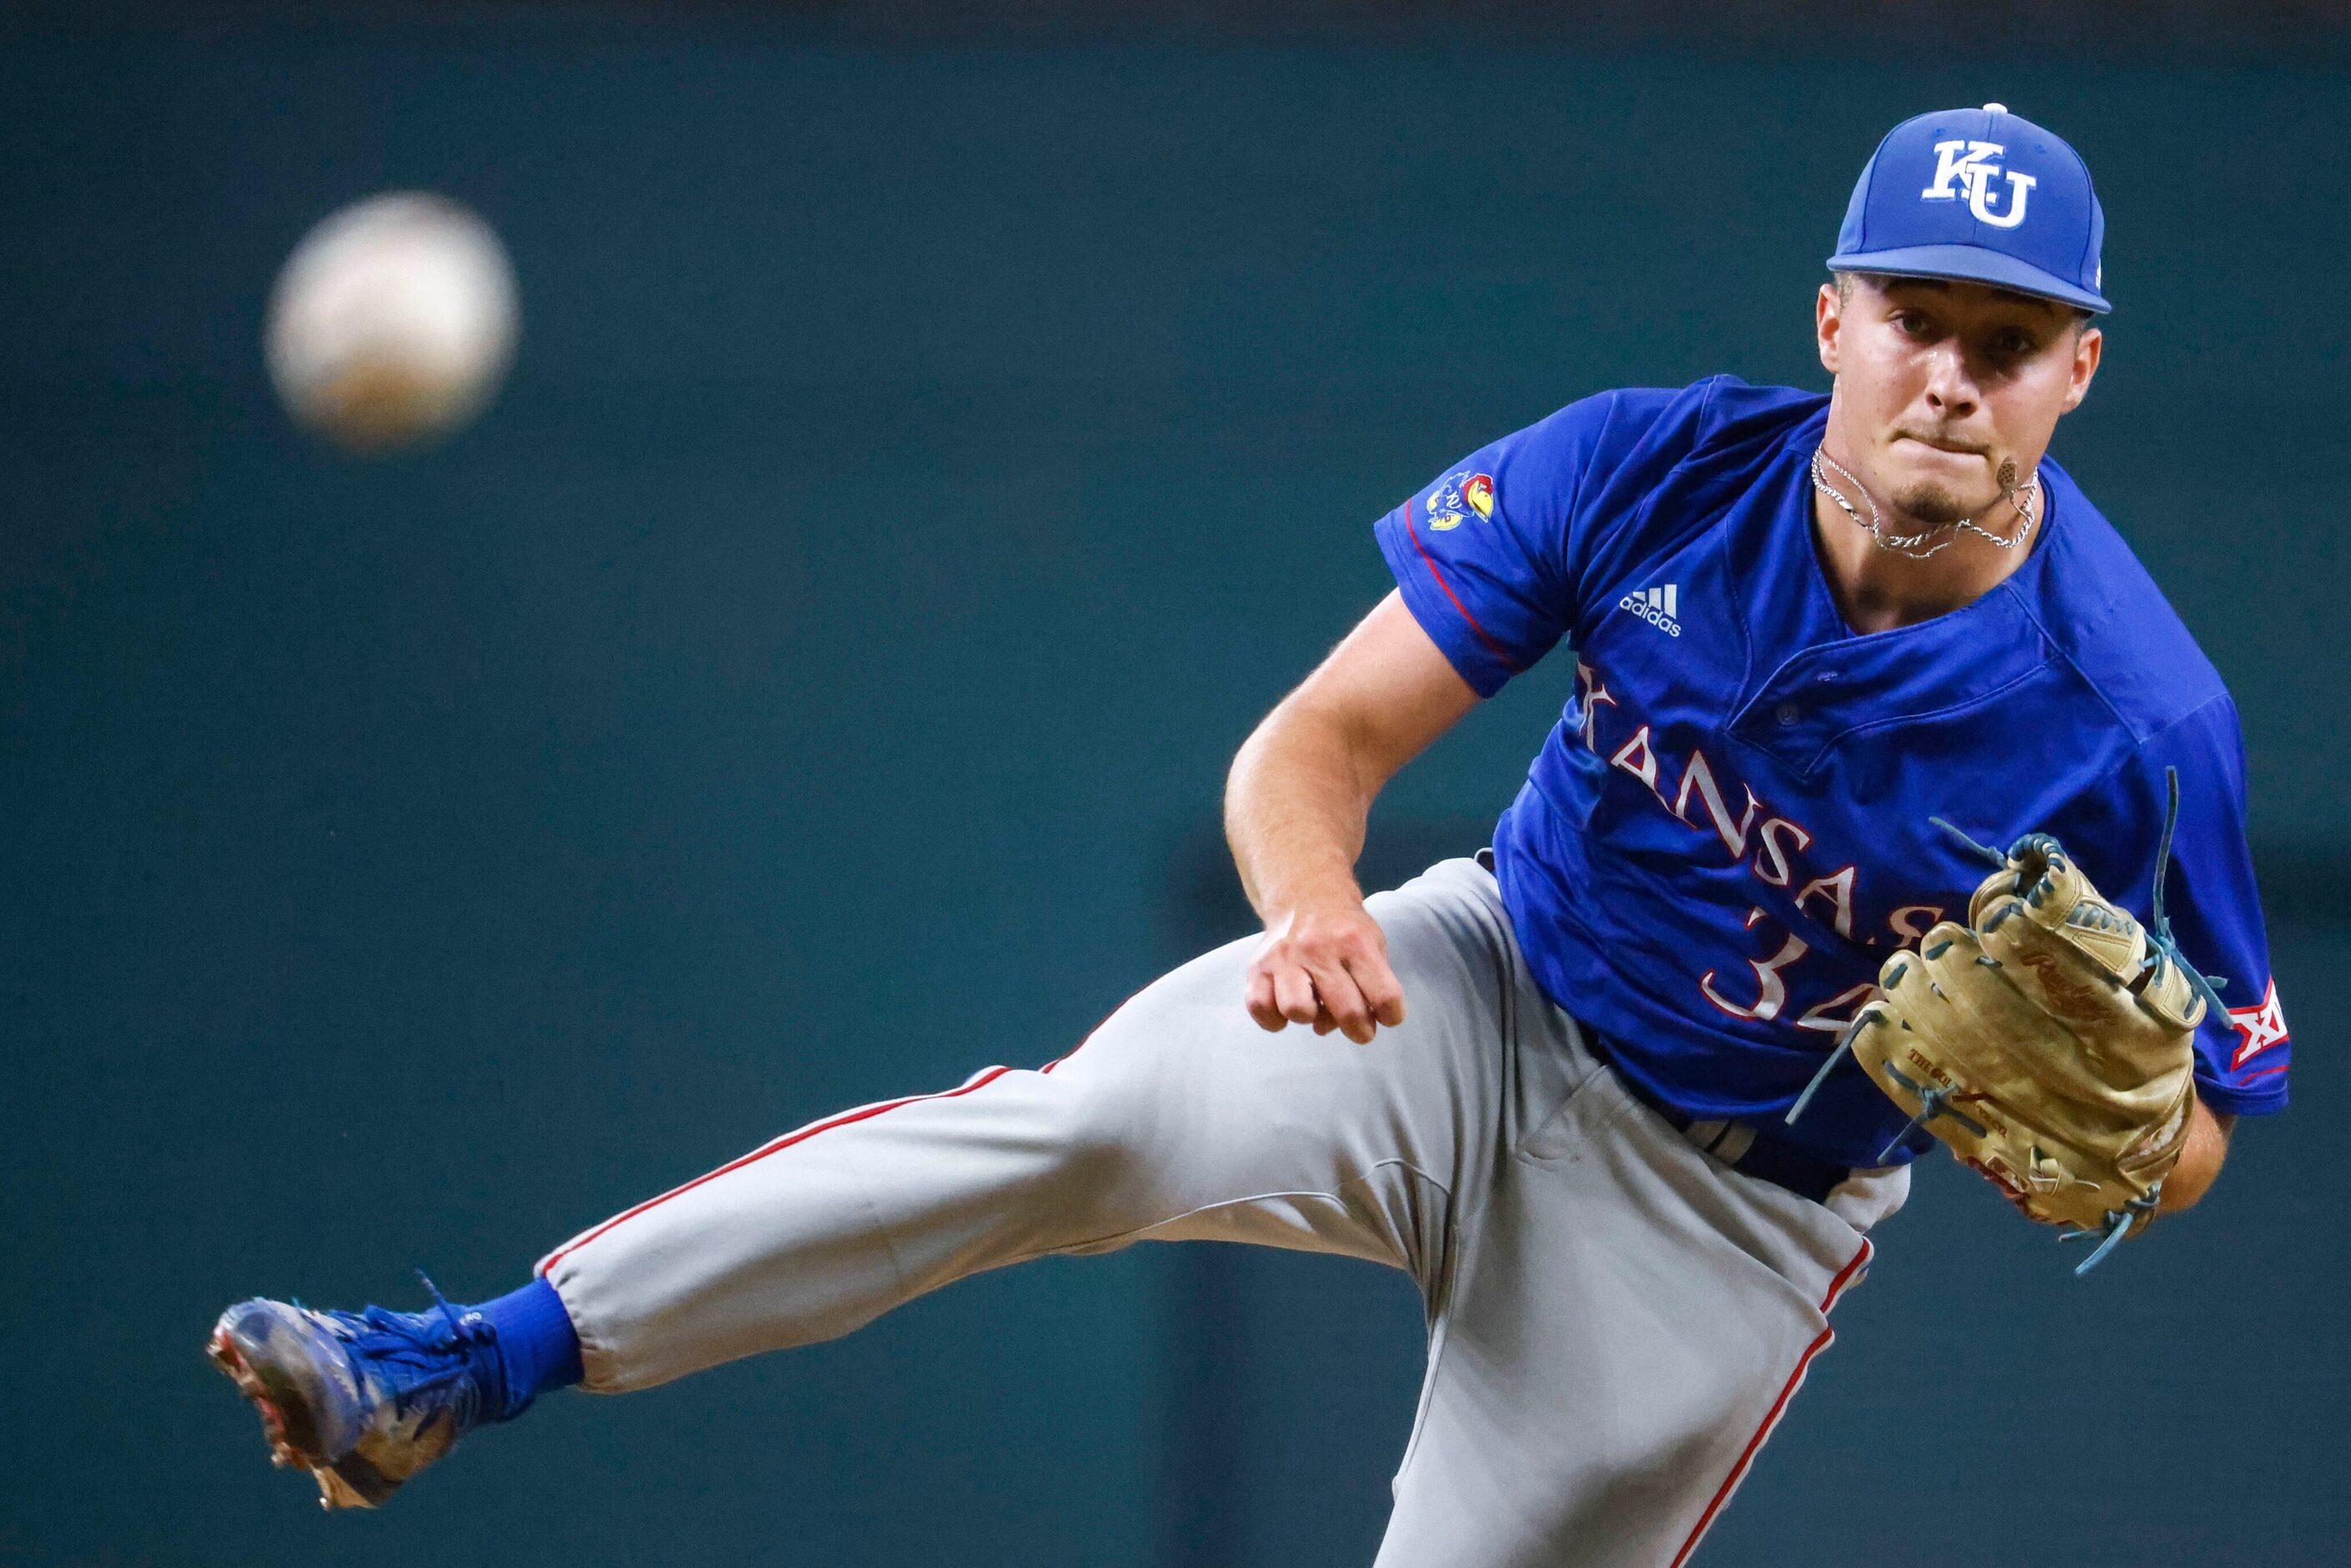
1914	323
2014	343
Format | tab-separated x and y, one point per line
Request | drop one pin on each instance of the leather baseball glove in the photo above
2047	1041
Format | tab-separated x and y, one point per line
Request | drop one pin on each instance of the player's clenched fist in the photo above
1327	966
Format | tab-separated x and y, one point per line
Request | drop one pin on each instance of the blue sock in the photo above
537	1348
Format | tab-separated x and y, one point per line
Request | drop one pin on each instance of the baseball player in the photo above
1554	1082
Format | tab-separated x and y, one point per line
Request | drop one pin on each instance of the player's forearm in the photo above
2199	1162
1295	806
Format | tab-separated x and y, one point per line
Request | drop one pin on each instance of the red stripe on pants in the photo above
1779	1406
863	1113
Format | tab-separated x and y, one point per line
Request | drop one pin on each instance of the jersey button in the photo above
1787	714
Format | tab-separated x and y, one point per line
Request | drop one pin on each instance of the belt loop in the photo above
1726	1141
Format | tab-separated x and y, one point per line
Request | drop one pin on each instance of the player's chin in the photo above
1935	503
1938	487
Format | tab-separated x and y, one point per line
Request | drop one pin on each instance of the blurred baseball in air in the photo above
393	322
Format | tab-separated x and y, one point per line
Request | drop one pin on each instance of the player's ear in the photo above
2088	348
1828	316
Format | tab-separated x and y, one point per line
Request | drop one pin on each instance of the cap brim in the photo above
1970	263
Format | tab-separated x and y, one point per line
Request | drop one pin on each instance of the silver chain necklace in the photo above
2023	500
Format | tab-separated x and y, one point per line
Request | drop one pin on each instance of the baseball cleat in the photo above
361	1400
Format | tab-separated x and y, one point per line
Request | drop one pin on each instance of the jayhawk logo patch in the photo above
1458	496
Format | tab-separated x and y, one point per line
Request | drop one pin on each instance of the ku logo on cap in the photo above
1970	164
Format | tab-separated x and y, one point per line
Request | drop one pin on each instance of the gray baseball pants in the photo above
1616	1320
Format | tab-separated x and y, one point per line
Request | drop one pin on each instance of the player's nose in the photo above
1949	387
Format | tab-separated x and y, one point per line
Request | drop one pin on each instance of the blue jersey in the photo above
1728	832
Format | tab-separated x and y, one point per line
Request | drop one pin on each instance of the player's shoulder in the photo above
1632	439
2101	610
1671	423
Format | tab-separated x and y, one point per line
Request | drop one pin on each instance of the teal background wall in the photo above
814	678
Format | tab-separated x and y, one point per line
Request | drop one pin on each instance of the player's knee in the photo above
1107	1101
1094	1126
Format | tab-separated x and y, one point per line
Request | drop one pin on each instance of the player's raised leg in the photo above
1178	1119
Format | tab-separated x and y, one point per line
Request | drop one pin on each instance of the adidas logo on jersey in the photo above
1657	606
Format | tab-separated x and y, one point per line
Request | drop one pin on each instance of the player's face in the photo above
1940	384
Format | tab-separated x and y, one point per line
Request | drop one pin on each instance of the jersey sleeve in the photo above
1488	556
2241	1053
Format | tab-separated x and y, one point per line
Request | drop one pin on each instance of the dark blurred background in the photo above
938	436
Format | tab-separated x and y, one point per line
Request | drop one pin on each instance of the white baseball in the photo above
393	321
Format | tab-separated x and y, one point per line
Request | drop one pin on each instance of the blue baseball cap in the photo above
1981	194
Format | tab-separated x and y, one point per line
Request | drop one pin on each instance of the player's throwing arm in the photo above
1295	810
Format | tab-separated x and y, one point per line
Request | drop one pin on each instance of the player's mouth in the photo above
1938	443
